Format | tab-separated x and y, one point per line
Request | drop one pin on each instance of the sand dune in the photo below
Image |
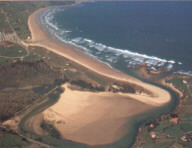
93	118
41	38
34	124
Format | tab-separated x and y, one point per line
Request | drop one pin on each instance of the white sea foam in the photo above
189	73
47	20
98	46
88	40
111	54
169	66
77	40
135	54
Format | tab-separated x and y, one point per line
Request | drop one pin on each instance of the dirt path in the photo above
19	41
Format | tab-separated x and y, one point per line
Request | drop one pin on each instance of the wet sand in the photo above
41	38
34	124
93	118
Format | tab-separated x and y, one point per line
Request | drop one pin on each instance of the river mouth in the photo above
125	141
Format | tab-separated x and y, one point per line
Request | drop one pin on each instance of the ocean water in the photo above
126	34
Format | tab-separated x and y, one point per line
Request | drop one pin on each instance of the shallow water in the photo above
89	27
125	142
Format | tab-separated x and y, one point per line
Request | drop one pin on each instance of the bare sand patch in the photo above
87	117
13	123
93	118
41	38
73	69
34	124
171	86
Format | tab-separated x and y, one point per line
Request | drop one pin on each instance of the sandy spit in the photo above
41	38
93	118
87	117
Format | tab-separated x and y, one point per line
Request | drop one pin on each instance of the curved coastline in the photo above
41	38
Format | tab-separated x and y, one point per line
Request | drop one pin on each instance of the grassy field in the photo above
18	13
168	133
11	50
178	83
3	24
11	141
17	82
72	70
24	82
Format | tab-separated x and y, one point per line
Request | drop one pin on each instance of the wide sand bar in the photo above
41	38
93	118
86	117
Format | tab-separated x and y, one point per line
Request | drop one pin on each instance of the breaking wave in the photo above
104	53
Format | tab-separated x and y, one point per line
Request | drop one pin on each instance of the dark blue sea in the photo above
125	34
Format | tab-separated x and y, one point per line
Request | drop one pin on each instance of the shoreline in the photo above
86	108
76	114
153	96
41	38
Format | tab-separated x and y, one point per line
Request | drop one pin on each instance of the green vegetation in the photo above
51	130
43	89
161	127
88	86
11	141
163	145
21	78
72	74
30	83
178	83
174	130
158	145
53	138
187	116
18	13
24	73
96	78
72	70
31	57
12	50
3	24
186	127
169	133
59	143
48	87
13	101
2	60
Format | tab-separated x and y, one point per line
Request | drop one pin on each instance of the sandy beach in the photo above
87	117
90	117
42	39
